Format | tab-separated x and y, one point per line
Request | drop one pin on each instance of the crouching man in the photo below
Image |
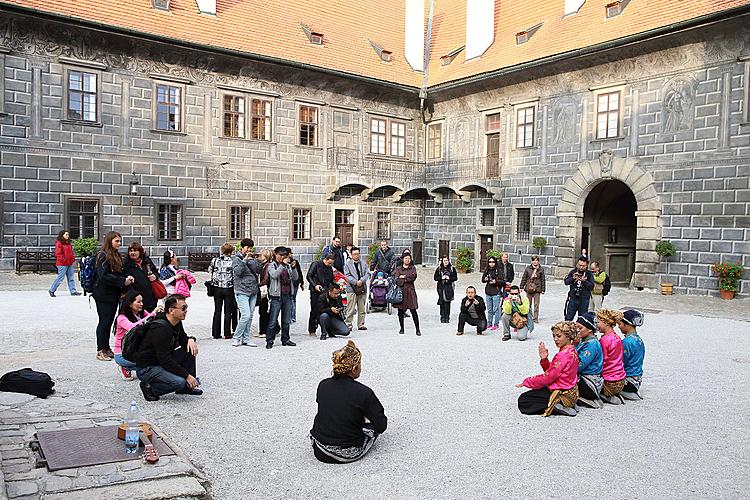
165	359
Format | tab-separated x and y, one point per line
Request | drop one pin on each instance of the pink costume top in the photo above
124	325
561	374
181	286
612	367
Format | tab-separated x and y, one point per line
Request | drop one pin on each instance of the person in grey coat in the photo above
245	272
281	279
357	276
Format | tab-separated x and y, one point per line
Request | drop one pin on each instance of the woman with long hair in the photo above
265	257
406	275
492	293
222	280
131	313
138	265
65	259
110	283
445	276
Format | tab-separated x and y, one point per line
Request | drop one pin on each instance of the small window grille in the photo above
487	217
523	224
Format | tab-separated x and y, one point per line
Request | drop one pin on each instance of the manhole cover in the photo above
89	446
642	309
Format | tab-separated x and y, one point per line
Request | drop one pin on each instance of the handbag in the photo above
210	288
518	320
158	290
395	294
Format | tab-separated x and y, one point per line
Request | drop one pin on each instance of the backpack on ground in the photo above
27	381
607	286
132	340
87	274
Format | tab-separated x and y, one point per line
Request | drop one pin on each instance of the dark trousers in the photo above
224	299
576	305
414	317
534	402
280	306
264	315
585	392
445	311
464	319
312	324
107	312
332	326
163	381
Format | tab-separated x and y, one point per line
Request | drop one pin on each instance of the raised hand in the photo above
543	351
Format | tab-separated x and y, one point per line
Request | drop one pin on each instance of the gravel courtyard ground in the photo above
454	428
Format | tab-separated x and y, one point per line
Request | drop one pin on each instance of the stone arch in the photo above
590	173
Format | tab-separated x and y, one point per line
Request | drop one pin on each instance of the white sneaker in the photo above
236	343
250	344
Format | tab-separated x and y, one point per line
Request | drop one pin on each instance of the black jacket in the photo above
587	284
480	308
300	278
445	287
507	276
142	284
383	260
343	405
157	346
319	274
109	284
325	303
491	275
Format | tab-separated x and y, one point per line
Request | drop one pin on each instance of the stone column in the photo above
648	232
207	130
125	114
726	109
569	226
634	121
543	154
3	51
36	100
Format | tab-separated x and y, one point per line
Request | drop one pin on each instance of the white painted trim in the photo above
170	78
82	63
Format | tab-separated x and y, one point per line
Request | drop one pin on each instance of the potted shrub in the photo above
729	276
666	249
493	252
85	247
464	259
539	243
318	252
372	249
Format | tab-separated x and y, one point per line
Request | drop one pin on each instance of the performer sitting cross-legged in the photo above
633	352
613	370
589	349
554	391
350	416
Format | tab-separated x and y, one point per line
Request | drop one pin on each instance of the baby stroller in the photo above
378	290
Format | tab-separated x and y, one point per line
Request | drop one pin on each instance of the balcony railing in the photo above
482	168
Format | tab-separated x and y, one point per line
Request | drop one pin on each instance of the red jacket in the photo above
64	255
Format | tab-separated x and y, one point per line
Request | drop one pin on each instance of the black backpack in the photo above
27	381
87	274
132	340
607	286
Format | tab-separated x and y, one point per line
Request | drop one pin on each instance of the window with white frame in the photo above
523	224
383	230
434	141
240	223
308	125
234	116
83	217
261	117
82	95
342	121
169	221
608	106
525	126
398	139
301	223
377	136
168	111
387	137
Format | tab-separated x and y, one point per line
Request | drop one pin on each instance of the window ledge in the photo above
170	241
309	147
81	122
525	148
168	132
245	139
618	138
374	156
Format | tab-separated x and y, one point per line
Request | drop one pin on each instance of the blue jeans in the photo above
576	305
283	305
493	310
62	273
128	365
294	303
246	305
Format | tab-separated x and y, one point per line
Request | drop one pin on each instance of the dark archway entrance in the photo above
609	223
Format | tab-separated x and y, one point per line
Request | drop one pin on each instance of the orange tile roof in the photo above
271	28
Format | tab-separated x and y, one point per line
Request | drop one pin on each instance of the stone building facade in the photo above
489	163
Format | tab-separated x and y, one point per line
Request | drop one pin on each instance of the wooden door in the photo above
344	227
493	155
444	248
416	252
486	244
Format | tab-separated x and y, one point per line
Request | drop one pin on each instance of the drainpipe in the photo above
426	72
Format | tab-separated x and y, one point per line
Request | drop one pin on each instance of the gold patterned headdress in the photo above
568	328
346	359
609	316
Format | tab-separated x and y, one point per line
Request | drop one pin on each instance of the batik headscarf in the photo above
346	359
568	328
609	316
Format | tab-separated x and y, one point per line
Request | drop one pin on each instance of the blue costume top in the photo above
589	356
633	353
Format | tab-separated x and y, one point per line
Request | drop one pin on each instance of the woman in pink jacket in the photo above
556	390
65	260
613	371
131	314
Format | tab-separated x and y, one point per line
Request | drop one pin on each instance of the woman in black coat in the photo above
138	265
406	275
445	276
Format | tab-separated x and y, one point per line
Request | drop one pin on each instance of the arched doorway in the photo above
609	229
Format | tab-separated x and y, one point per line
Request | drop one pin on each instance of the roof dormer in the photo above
614	9
160	5
524	36
206	6
450	56
384	55
314	37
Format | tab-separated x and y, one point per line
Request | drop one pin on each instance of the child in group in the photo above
131	314
590	381
380	279
613	371
633	353
555	391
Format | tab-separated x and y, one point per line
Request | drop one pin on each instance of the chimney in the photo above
207	6
414	34
480	27
573	6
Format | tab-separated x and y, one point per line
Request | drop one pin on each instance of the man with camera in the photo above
280	288
472	312
581	282
516	313
331	310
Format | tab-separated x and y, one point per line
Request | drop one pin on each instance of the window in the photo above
608	115
261	120
83	218
301	223
342	121
434	141
240	225
525	127
169	222
308	126
383	230
82	96
377	136
487	217
234	116
398	139
494	123
523	224
168	114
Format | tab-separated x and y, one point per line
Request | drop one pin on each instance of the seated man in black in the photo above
472	312
165	358
350	416
332	313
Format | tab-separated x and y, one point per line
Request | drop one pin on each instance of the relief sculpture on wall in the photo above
564	112
678	105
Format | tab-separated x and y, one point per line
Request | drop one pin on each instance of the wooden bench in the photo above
199	261
37	260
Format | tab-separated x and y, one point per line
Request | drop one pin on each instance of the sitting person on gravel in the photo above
131	314
472	312
590	381
613	370
554	391
350	416
332	310
516	313
165	358
633	352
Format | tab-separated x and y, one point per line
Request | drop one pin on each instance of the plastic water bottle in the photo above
131	432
